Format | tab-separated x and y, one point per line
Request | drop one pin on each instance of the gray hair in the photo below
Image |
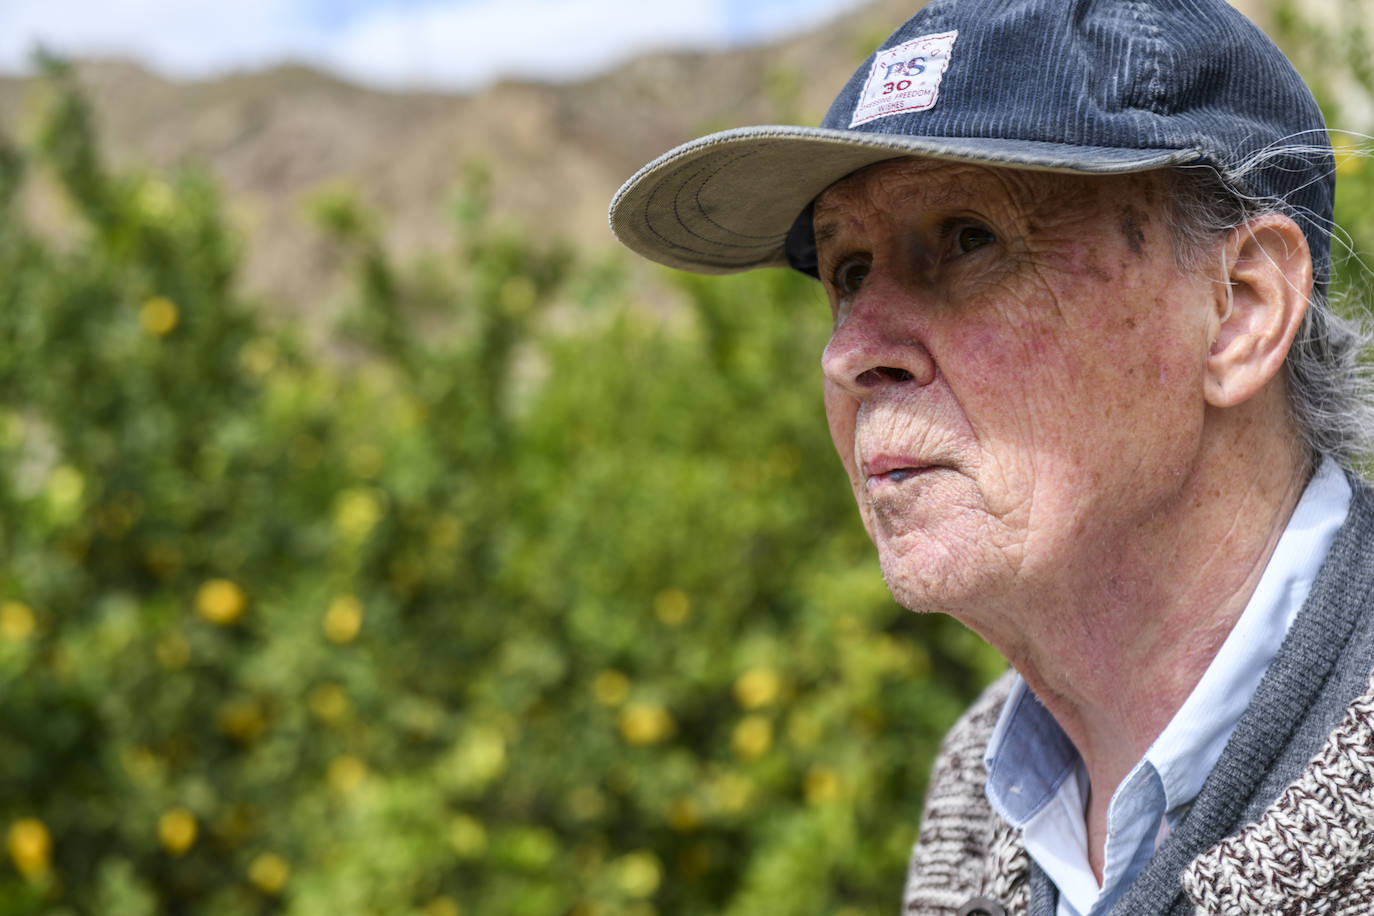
1330	387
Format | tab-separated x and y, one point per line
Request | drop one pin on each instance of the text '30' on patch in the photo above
905	78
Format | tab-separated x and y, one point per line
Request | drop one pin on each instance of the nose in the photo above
876	346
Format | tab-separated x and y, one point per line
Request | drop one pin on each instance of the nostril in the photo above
880	374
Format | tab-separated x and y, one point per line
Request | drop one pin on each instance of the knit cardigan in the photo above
1283	826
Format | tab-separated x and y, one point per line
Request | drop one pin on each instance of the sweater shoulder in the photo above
1313	850
962	843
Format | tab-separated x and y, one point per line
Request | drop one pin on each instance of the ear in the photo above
1269	279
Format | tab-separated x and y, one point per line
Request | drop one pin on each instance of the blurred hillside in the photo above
556	153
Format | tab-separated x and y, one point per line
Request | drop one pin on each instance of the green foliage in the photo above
523	597
1332	49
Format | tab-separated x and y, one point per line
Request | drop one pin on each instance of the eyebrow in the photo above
824	233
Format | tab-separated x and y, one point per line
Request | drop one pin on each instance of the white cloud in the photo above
444	43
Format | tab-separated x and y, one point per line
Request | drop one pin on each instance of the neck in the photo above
1122	646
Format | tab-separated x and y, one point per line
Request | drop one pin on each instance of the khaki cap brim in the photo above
725	203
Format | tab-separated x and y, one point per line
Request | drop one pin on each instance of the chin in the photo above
932	583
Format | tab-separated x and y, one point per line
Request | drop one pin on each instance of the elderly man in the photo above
1092	403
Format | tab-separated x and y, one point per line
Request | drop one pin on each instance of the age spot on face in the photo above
1131	222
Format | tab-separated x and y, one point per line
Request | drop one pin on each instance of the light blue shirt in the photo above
1037	781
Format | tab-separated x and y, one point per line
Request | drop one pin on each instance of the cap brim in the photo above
724	203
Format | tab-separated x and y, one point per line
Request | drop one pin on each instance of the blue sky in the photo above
455	44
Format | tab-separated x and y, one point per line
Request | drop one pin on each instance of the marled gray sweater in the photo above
1284	825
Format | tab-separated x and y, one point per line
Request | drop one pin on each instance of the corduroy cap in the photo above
1087	86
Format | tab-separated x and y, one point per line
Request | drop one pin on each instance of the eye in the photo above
850	275
971	237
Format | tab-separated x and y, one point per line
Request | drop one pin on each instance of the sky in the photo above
441	44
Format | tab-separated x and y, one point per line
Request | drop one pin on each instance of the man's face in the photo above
1015	378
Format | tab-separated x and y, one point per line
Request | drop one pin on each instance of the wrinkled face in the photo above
1015	377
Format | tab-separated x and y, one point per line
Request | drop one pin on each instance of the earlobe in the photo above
1259	307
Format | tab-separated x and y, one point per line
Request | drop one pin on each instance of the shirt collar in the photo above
1028	757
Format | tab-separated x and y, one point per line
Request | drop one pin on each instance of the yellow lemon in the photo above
752	737
683	815
328	702
480	757
64	488
639	873
357	511
346	773
757	687
221	602
645	723
177	830
732	792
672	607
241	719
1349	155
30	846
159	316
611	688
269	872
467	836
343	620
821	785
16	621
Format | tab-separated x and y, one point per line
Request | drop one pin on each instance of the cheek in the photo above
1008	358
1085	320
1002	359
841	414
1044	373
841	411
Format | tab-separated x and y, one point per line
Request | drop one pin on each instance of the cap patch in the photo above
905	78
